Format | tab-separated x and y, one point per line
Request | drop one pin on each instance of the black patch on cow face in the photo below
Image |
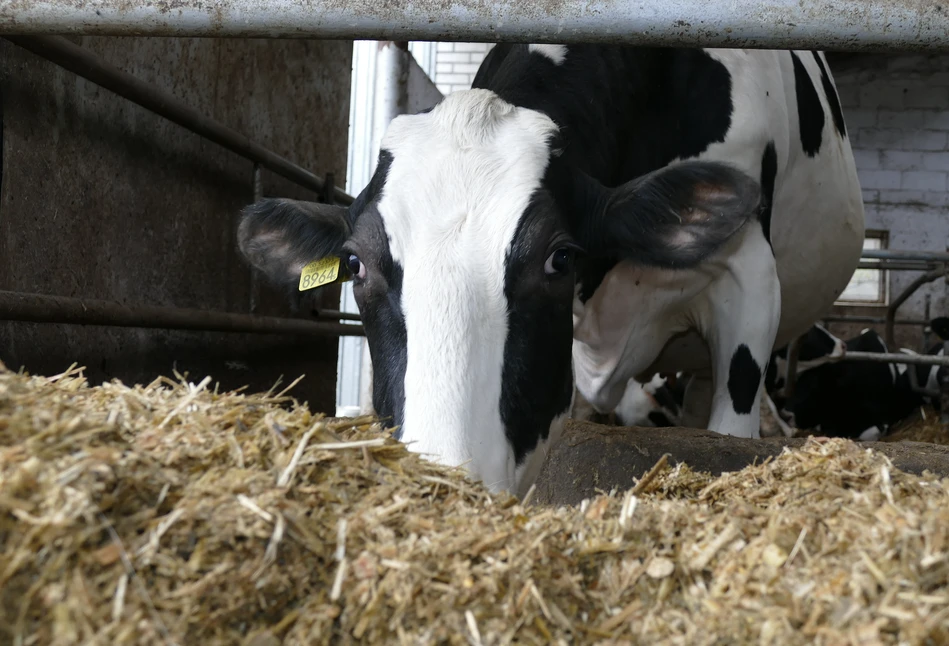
744	375
379	296
769	172
537	377
817	343
832	99
381	309
809	109
373	191
623	111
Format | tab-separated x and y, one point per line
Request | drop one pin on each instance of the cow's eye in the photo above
559	262
356	268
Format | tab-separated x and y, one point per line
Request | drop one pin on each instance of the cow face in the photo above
463	250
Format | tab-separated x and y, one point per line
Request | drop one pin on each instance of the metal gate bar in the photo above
88	65
40	308
835	25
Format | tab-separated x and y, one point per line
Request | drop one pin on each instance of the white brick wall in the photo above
897	115
898	119
457	63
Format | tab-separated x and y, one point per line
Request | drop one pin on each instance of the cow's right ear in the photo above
279	237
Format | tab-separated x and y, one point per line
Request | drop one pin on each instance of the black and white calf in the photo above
816	348
587	214
929	378
658	402
852	399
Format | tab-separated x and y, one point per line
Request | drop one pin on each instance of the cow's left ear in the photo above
940	326
279	237
673	218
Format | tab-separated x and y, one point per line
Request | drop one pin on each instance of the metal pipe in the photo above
258	195
890	265
336	315
901	254
944	389
872	320
790	374
40	308
893	357
838	25
84	63
918	282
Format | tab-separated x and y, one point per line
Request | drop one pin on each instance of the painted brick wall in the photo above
457	63
897	115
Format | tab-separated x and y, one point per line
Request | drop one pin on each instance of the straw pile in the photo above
171	513
922	426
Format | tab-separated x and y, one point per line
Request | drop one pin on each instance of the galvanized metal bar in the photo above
40	308
336	315
258	195
839	25
872	320
897	265
944	389
910	289
790	373
86	64
900	254
893	357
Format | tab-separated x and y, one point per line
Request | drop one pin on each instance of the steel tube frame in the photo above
40	308
897	265
86	64
918	282
893	357
840	25
900	254
872	320
37	308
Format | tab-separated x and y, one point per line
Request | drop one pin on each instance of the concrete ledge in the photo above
592	457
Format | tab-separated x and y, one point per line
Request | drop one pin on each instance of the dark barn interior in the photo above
103	199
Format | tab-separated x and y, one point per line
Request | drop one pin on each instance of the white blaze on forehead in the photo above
556	53
460	179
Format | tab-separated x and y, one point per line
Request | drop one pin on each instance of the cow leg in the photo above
744	310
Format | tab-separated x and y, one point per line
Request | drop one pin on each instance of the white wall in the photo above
897	115
457	63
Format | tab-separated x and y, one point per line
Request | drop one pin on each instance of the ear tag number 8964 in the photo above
318	273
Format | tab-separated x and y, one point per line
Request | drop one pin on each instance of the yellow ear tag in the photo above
318	273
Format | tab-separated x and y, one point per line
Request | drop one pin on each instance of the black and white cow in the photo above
929	378
657	402
587	214
852	399
815	348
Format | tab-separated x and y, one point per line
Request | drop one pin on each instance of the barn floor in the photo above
173	513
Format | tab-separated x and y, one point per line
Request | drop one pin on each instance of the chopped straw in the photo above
174	514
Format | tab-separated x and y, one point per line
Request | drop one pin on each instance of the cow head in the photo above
463	250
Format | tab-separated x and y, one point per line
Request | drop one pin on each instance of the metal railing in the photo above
935	265
39	308
835	25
